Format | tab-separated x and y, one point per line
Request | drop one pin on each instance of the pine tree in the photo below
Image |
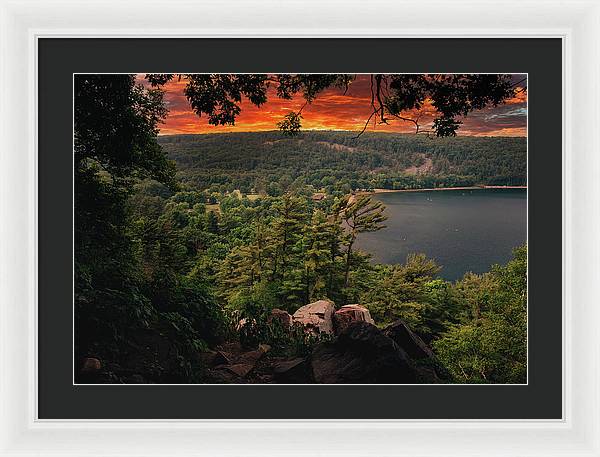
360	215
318	261
286	232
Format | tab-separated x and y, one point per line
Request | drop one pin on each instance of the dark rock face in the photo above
404	337
292	371
361	354
428	370
223	376
237	364
212	358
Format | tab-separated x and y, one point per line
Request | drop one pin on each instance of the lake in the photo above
463	230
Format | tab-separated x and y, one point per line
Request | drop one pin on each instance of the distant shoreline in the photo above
385	191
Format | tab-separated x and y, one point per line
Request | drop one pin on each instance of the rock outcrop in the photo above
347	314
292	371
281	317
361	354
429	371
242	364
408	340
316	317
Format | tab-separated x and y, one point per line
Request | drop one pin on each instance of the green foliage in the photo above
291	341
302	249
134	239
491	345
269	163
109	158
412	293
174	265
360	215
321	249
291	124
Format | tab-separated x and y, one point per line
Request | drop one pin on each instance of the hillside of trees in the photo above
269	162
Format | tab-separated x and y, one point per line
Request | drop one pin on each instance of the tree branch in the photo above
378	92
365	127
518	82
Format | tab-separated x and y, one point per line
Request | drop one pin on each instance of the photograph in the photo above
259	229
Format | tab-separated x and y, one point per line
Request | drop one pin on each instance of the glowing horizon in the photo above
333	110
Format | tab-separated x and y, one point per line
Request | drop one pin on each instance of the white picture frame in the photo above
576	22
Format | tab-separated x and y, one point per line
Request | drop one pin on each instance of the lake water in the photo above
463	230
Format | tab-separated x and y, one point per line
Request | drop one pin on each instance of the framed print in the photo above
277	257
365	238
277	250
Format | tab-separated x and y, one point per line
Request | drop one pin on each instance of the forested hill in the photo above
270	162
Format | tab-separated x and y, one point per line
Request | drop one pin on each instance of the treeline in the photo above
268	162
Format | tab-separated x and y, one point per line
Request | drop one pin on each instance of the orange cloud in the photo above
519	97
334	110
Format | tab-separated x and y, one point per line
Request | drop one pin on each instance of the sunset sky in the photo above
332	110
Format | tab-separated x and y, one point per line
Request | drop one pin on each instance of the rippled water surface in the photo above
463	230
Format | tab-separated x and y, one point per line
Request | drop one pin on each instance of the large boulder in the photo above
361	354
281	317
347	314
316	317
